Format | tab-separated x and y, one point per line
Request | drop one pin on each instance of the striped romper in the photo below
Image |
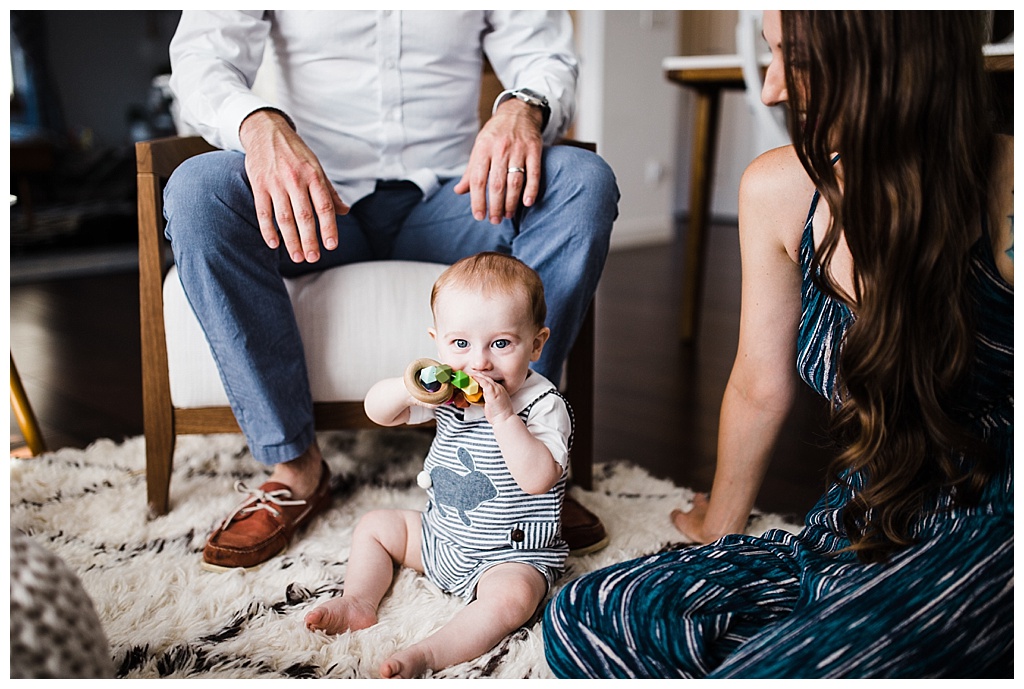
789	606
477	516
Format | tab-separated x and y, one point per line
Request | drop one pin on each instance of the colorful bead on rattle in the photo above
435	383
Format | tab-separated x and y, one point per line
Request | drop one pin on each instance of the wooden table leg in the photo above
705	139
23	413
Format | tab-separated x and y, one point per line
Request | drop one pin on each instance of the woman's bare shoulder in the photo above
777	176
775	190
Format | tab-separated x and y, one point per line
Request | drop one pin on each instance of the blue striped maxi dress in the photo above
791	606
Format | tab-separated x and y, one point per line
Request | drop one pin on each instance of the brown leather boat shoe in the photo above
262	526
581	528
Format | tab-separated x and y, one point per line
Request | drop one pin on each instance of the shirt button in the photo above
518	536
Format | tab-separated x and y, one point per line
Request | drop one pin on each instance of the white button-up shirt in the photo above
375	94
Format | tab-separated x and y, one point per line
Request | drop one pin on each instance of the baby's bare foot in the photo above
341	615
409	663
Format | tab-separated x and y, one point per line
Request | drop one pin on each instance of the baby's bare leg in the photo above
381	539
507	596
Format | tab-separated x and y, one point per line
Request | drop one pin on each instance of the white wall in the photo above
643	123
741	136
631	111
739	142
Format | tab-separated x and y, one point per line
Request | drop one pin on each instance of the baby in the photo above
495	475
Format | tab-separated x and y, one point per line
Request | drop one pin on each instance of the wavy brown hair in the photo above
902	98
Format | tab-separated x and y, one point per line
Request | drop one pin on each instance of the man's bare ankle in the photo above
301	474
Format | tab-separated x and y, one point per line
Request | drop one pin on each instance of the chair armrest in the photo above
588	145
160	156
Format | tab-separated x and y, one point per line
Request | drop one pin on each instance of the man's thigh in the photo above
442	229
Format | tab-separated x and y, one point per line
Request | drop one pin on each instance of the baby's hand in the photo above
497	403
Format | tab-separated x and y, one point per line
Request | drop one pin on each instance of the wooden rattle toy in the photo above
435	383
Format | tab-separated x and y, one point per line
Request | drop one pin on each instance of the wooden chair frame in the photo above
162	422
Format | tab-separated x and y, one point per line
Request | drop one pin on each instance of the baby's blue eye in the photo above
501	344
461	344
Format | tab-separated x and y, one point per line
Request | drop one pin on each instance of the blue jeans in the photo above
234	281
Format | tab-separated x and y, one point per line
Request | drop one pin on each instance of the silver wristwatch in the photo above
530	97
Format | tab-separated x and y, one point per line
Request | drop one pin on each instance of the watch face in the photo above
531	97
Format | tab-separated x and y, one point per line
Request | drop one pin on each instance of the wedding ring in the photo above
516	169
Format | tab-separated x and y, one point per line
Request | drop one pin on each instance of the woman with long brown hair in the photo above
878	254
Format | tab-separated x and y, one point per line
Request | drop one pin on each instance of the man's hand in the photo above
289	184
510	139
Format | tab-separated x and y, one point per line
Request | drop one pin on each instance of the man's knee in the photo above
214	178
203	175
208	190
583	175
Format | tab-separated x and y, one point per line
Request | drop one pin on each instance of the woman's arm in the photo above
1001	207
775	196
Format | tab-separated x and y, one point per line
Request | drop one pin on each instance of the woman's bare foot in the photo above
691	524
408	663
341	615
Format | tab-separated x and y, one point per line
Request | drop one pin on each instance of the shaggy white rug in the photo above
164	616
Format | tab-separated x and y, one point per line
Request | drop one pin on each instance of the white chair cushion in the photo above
359	323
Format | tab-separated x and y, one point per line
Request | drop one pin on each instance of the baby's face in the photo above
489	334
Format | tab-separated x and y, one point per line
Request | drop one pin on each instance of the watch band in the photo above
530	97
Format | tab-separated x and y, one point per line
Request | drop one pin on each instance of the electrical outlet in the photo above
654	172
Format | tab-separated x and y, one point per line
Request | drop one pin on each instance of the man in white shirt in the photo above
372	150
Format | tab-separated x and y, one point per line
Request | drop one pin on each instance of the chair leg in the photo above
580	389
702	173
27	422
159	462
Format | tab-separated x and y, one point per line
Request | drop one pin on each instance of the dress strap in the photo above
814	201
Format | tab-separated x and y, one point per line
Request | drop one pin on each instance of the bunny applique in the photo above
461	492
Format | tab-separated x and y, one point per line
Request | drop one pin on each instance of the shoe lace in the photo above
260	499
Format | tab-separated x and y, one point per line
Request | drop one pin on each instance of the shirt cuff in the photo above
506	95
234	112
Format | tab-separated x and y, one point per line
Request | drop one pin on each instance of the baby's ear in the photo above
538	342
432	333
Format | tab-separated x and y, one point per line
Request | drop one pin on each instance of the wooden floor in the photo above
76	345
